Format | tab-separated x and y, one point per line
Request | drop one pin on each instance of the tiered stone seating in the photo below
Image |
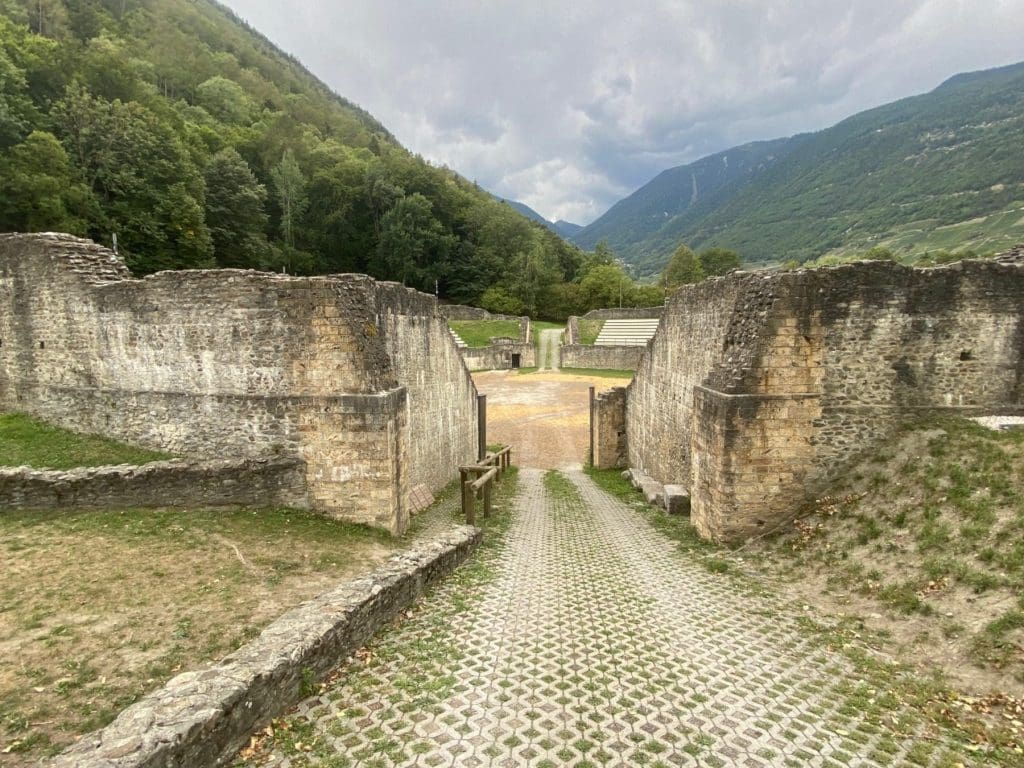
626	333
458	339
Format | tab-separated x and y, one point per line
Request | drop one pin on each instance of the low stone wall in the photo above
499	356
186	484
464	312
203	718
608	425
572	354
587	356
625	313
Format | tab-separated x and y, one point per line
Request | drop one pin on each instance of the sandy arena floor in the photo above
542	415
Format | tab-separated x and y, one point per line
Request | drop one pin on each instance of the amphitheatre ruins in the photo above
349	396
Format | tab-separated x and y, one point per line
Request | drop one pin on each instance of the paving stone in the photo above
594	642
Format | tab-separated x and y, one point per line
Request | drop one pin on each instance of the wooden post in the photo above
467	503
487	500
481	425
592	398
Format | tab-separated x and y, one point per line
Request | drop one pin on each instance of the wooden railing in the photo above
475	481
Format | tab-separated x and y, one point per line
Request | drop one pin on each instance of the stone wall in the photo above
181	484
498	356
465	312
758	389
625	313
208	363
619	358
572	354
608	423
441	395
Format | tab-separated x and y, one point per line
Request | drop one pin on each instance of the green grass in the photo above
588	331
603	373
478	333
25	441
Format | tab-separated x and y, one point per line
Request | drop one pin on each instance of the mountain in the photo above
526	211
936	171
177	127
680	195
566	228
561	227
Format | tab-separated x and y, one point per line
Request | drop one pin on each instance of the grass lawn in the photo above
478	333
98	608
588	331
25	441
604	373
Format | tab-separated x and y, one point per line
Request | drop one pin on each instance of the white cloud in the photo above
569	106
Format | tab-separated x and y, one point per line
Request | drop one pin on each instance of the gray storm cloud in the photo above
570	106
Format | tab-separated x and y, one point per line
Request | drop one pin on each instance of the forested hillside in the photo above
678	196
196	141
941	170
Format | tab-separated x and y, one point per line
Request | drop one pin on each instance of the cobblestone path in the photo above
584	637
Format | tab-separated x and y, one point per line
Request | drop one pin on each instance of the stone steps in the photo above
627	333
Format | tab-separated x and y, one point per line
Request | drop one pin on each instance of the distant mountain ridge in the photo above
940	170
561	227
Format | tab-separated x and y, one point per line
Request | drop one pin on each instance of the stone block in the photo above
677	499
653	491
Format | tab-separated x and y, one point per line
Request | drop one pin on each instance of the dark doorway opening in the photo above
516	360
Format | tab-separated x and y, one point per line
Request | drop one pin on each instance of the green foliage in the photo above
499	301
290	188
176	120
235	212
38	191
718	261
414	246
684	267
225	100
27	442
589	330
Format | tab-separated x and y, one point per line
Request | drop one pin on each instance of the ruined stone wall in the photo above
619	358
758	389
226	362
624	313
176	483
499	356
572	354
608	422
440	392
466	312
690	341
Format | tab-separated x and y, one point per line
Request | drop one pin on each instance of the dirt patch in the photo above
98	608
544	416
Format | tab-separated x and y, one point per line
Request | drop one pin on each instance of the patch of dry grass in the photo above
924	541
98	608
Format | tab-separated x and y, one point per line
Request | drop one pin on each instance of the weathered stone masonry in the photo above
759	388
359	379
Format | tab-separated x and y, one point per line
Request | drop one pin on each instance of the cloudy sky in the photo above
570	106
